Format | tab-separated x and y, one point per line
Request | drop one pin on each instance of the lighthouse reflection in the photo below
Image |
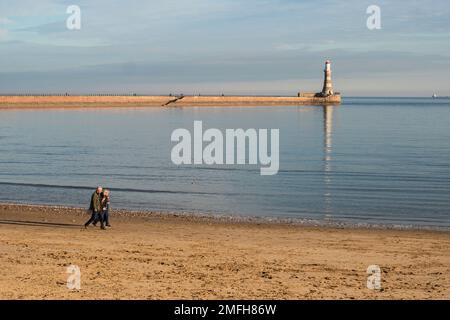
327	158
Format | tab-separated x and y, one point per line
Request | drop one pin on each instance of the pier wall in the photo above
130	101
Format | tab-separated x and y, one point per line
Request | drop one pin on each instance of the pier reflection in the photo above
327	158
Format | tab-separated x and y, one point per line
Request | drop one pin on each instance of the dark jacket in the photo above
95	202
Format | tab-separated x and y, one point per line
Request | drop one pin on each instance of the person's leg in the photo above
91	219
106	217
102	220
96	219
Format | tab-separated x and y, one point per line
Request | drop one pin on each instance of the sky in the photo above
224	46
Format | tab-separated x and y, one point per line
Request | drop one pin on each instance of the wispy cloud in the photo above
5	21
3	33
3	30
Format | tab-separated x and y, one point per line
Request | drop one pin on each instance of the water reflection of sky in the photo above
368	160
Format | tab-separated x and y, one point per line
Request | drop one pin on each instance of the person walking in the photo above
96	208
105	207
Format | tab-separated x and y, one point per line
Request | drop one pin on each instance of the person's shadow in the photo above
39	224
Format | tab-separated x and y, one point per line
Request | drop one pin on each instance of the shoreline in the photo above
233	219
37	101
171	257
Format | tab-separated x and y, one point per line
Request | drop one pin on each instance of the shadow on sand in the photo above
39	224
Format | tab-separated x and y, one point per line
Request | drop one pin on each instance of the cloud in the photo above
3	34
3	31
54	27
5	21
291	46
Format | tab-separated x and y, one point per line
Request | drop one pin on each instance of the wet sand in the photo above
161	256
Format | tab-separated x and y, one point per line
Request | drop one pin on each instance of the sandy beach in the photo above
161	256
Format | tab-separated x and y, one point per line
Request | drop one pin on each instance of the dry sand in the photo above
169	257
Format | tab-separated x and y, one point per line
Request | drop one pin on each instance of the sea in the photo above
369	161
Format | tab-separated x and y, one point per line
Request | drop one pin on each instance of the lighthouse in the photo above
327	84
327	95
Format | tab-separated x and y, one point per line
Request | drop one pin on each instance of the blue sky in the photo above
230	46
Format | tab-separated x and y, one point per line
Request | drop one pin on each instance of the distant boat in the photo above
434	96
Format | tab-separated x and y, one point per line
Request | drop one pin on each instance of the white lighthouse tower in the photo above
327	84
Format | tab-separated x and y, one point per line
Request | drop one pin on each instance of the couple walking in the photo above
100	208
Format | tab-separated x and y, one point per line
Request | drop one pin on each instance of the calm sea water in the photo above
370	160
